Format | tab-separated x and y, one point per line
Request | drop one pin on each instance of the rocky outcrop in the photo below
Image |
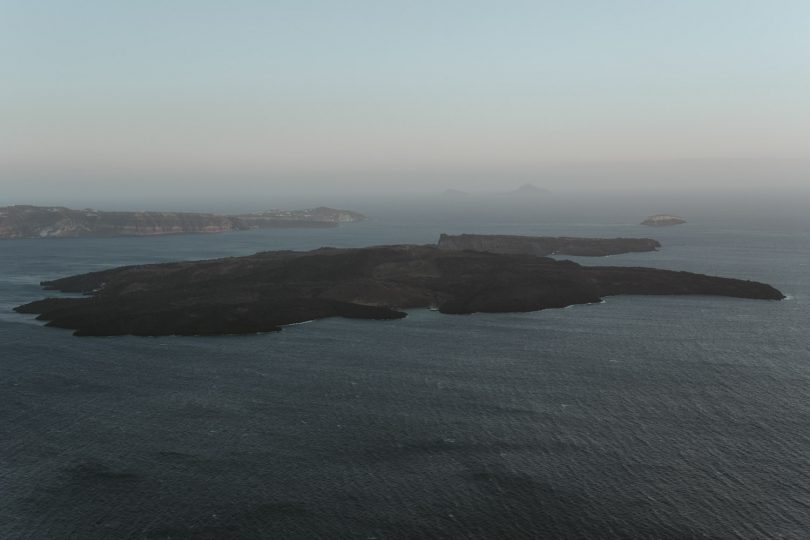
42	222
266	291
545	245
663	220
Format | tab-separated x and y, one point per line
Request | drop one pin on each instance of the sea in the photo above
640	417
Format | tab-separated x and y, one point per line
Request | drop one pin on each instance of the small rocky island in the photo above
57	222
546	245
663	220
264	292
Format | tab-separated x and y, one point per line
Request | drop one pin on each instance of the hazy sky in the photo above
107	90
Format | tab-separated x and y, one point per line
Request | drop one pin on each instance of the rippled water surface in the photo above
670	417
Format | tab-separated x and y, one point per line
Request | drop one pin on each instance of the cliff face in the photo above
265	291
663	220
34	221
545	245
314	217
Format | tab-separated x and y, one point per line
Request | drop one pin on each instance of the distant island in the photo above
546	245
265	291
663	220
528	190
525	192
58	222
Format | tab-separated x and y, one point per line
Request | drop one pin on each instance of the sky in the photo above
308	94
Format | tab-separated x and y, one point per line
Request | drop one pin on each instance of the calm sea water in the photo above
654	417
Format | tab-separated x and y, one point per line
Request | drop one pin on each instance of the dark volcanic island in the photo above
266	291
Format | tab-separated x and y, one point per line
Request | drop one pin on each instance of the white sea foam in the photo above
298	323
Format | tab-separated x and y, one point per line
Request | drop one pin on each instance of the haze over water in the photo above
147	100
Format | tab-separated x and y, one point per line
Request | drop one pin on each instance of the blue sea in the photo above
641	417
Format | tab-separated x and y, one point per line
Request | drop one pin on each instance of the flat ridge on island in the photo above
23	221
265	291
546	245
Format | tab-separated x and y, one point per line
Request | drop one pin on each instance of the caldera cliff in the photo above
57	222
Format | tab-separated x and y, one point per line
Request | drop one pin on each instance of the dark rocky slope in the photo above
545	245
265	291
